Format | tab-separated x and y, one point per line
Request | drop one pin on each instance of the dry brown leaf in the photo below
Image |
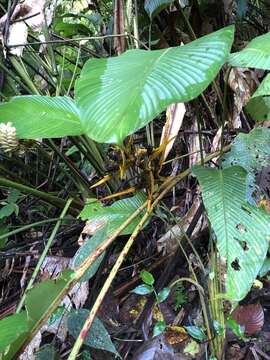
194	145
33	10
168	243
174	118
243	82
175	335
91	226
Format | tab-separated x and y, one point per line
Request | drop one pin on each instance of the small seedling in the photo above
149	288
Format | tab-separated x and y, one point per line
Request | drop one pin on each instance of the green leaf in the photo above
11	327
147	277
97	336
46	352
265	267
4	228
259	108
259	105
37	116
7	210
219	329
37	303
159	328
237	329
40	301
192	348
57	314
90	244
143	289
242	230
163	294
116	214
255	55
252	152
13	196
264	88
196	332
153	7
120	95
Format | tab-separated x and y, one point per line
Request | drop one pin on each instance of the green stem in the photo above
51	199
24	75
29	226
43	255
15	78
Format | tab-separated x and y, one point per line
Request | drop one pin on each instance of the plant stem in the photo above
24	75
43	255
88	322
51	199
29	226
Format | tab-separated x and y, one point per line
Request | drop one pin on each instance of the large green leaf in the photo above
242	230
97	336
114	216
40	302
42	116
252	152
153	7
255	55
119	95
10	328
259	105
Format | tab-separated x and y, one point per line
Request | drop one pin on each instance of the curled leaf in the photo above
250	316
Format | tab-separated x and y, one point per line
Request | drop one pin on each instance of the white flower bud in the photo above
8	140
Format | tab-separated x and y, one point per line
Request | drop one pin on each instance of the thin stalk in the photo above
216	304
64	41
205	308
24	75
76	172
224	106
88	322
59	85
30	226
43	255
136	26
74	71
15	78
198	119
51	199
50	48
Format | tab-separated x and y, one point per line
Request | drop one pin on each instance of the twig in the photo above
43	255
64	41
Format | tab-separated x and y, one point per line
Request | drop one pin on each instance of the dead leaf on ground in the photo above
175	335
168	243
250	316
